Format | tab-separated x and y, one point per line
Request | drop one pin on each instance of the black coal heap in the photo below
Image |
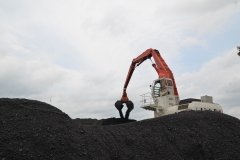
35	130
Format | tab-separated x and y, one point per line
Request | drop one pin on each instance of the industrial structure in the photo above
163	98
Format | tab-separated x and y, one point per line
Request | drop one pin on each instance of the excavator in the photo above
164	92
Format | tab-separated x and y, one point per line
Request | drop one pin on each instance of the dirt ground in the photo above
35	130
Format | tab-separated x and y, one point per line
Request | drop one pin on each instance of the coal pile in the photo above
35	130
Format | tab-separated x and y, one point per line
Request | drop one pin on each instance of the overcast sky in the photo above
77	53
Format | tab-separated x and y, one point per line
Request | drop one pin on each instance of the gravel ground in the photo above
35	130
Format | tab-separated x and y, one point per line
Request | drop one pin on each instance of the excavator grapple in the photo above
119	105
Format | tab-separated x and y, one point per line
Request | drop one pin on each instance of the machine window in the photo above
163	88
163	83
156	89
170	83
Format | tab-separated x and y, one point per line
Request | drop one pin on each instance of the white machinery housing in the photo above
163	101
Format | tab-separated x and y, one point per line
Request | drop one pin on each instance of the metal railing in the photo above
146	99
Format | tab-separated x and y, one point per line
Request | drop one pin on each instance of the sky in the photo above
75	55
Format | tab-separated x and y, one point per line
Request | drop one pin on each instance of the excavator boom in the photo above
161	68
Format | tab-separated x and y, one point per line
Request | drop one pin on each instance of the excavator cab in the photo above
162	87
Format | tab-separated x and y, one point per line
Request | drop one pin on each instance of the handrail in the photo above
145	93
146	99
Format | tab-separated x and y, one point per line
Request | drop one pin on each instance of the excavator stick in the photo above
119	106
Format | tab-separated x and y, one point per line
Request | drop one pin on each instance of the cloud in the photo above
218	78
234	111
201	6
20	77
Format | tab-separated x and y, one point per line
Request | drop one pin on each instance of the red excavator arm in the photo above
161	68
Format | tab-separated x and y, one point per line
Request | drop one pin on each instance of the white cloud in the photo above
20	77
218	78
234	111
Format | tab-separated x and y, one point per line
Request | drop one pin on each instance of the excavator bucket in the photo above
119	106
